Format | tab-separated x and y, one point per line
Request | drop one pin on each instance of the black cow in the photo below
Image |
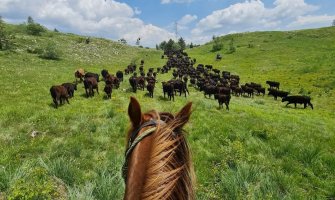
133	83
108	90
306	100
168	89
70	87
273	84
59	93
94	75
119	75
277	93
150	88
90	83
223	99
104	73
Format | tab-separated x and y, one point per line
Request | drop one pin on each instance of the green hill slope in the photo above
260	149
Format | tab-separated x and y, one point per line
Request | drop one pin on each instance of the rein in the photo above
133	141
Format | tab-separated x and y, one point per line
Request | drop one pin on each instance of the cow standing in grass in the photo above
306	100
59	93
90	83
273	84
70	87
108	90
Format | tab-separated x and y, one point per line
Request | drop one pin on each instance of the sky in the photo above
157	20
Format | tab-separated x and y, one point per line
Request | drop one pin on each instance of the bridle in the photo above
133	141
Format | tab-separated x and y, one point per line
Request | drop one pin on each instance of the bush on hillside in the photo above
217	44
5	38
231	48
50	52
35	29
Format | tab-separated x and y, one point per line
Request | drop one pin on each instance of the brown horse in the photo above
158	164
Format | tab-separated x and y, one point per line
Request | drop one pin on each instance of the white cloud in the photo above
252	15
187	19
313	20
175	1
102	18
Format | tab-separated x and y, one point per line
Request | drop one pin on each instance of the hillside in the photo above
260	149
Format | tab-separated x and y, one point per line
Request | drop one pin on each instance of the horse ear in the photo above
183	115
134	112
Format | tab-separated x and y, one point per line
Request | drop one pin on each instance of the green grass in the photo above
258	150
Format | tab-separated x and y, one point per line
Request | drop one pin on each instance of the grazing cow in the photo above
209	90
273	84
218	57
133	83
237	91
179	86
79	73
209	67
94	75
248	90
119	75
59	93
141	82
223	99
150	88
277	93
260	90
168	88
112	80
223	90
108	90
90	83
306	100
104	73
70	87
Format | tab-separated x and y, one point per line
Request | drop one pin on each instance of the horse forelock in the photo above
169	172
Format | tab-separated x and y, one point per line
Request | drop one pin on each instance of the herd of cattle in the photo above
204	78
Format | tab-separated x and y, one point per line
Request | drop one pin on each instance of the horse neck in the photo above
160	168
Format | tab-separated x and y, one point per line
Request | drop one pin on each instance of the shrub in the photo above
218	45
35	29
231	48
50	52
5	39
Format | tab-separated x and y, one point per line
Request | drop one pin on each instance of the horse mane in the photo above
170	172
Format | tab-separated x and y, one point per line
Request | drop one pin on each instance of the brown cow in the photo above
59	93
90	83
79	73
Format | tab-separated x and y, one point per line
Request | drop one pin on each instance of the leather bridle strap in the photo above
133	141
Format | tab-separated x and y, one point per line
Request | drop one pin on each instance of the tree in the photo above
232	48
157	47
333	23
169	44
162	45
217	44
30	20
182	43
191	45
34	28
5	39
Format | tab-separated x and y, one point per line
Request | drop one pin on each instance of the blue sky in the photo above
154	20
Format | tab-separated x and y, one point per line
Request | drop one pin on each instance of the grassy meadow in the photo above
259	149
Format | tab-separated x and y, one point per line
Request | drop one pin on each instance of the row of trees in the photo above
173	45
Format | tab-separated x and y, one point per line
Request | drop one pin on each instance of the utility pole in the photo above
176	29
